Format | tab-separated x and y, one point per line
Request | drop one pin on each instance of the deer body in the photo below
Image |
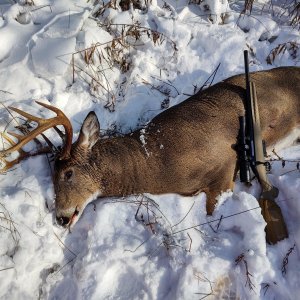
186	149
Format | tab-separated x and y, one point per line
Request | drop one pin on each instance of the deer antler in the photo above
43	125
22	154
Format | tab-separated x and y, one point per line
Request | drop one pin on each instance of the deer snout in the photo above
62	221
67	218
67	214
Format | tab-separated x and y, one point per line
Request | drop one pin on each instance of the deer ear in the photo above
90	131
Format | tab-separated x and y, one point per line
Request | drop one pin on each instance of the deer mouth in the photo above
67	218
74	217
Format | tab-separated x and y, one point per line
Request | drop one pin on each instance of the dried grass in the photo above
289	15
291	47
7	224
92	64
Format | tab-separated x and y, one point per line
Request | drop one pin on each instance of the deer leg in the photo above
222	183
211	201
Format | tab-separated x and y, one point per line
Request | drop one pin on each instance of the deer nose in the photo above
62	221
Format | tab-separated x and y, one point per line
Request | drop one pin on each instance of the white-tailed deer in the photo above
186	149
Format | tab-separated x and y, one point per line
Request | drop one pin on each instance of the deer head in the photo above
72	164
74	176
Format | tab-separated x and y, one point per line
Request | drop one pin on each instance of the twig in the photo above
216	220
213	75
184	216
249	283
165	83
267	286
9	268
137	211
159	88
65	246
11	225
67	263
221	218
158	209
291	171
286	260
149	223
218	225
145	241
6	92
275	153
202	278
191	241
41	7
13	117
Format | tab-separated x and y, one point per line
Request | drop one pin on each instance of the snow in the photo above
110	253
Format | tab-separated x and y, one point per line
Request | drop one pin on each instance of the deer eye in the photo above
68	175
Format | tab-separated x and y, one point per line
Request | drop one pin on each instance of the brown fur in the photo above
188	148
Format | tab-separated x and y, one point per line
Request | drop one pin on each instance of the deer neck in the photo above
127	168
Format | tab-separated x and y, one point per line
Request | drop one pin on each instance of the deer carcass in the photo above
187	149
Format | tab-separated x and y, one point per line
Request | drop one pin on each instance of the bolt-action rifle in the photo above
251	157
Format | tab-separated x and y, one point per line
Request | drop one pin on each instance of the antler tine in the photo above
50	107
22	154
60	133
11	142
26	115
65	122
8	164
43	125
16	135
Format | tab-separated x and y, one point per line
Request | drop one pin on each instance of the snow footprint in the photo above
52	47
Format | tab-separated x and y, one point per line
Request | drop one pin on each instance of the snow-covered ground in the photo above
110	254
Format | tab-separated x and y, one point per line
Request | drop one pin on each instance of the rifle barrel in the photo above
249	116
242	152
